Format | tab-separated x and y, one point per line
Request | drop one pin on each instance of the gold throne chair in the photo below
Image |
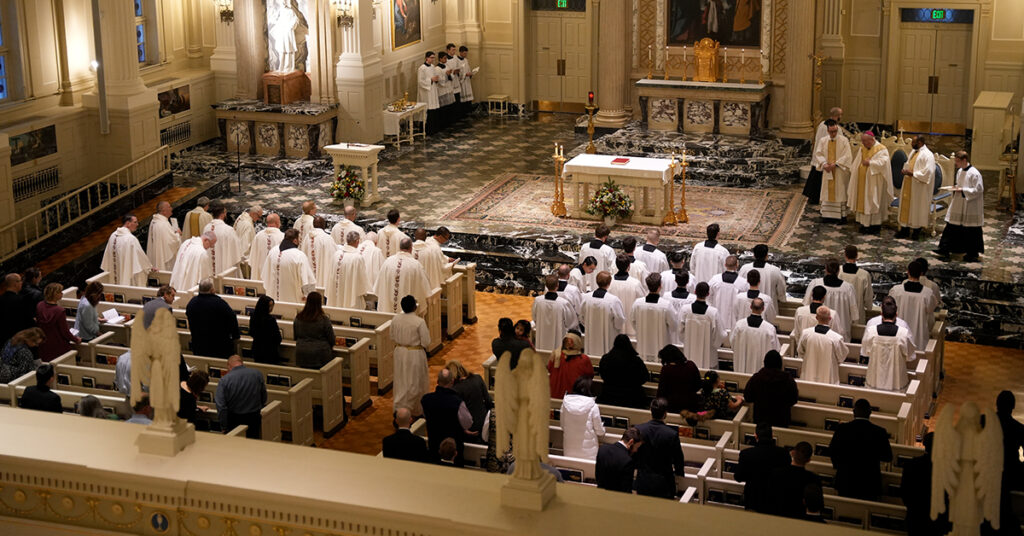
705	54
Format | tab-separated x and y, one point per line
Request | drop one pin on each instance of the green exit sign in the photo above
937	14
563	3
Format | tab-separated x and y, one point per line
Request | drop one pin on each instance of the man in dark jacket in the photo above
447	416
39	396
213	324
857	449
772	391
30	293
756	467
623	376
1013	470
403	444
791	481
614	468
916	492
12	318
660	457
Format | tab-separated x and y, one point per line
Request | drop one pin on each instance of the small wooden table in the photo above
362	156
649	179
401	126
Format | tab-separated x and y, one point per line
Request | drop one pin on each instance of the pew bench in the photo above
296	408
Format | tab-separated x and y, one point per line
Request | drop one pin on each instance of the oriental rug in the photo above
746	216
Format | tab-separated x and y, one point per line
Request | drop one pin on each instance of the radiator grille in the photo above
35	183
176	134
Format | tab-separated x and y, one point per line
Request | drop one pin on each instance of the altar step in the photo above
210	159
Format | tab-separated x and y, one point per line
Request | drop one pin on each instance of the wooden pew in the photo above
296	408
468	271
8	391
451	304
70	396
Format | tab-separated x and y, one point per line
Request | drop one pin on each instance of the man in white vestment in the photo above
876	320
567	290
812	188
348	223
287	275
427	80
806	316
702	332
320	248
227	252
916	193
654	321
928	282
860	279
724	288
653	258
916	304
262	243
124	258
773	282
412	337
401	275
304	223
628	290
822	350
552	316
841	299
708	257
432	259
466	77
194	261
751	338
677	265
580	274
164	238
743	300
602	315
347	284
390	236
196	219
455	82
966	213
637	269
372	256
888	347
245	229
599	249
680	297
870	190
833	157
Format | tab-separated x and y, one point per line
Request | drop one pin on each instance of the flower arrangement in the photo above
347	184
610	200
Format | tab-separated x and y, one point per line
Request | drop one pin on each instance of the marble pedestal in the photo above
528	494
166	440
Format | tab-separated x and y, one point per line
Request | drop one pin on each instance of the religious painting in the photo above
730	22
405	23
33	144
174	101
287	29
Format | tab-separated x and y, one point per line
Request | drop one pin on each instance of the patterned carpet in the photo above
747	216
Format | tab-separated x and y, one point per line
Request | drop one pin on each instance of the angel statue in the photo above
522	405
967	465
156	352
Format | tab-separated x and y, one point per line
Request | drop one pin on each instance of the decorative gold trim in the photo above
391	18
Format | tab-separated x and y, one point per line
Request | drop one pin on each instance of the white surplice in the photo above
433	261
579	279
680	302
702	335
860	279
918	309
919	188
627	290
773	282
195	221
655	323
319	248
304	223
427	88
466	81
842	301
553	317
822	353
707	261
401	275
741	306
341	229
389	239
652	257
124	259
163	243
226	252
967	207
192	264
870	198
668	283
570	293
262	243
887	358
347	284
287	275
804	318
638	270
373	258
412	377
605	256
750	344
724	288
834	184
602	315
245	230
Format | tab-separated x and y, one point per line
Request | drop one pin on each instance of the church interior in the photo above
523	137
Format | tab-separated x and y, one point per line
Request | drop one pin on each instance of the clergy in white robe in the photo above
390	236
571	293
466	76
870	190
445	94
347	224
245	229
724	288
579	275
401	275
751	338
928	282
708	257
653	258
773	282
320	248
427	80
552	316
966	213
196	219
888	348
637	269
347	283
456	66
124	258
877	319
812	188
431	257
262	243
193	262
744	299
411	337
860	279
918	188
833	157
840	297
227	252
677	265
654	321
164	238
372	256
702	332
305	222
628	290
822	350
806	316
916	305
602	315
680	296
287	275
600	251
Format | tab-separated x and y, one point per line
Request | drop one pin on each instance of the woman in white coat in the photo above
581	421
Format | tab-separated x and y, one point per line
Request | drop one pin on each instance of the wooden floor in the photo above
973	372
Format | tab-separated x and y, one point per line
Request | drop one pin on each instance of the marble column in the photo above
67	98
250	47
613	74
360	80
223	62
193	28
321	52
796	99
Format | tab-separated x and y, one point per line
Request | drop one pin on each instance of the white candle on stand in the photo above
650	55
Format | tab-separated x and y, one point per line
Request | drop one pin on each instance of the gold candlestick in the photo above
725	64
558	205
743	67
650	62
590	129
670	215
666	63
681	213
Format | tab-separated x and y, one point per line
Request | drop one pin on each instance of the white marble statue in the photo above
156	353
287	29
522	407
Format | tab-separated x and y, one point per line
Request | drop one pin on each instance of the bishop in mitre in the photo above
401	275
822	350
262	243
917	190
164	238
348	223
196	219
305	222
124	258
889	347
287	276
320	248
227	252
245	229
834	159
194	261
870	190
390	236
751	338
432	258
347	283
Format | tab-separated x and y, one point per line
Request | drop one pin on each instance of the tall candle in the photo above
650	55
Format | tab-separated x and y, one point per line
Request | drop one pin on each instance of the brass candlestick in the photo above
681	214
666	63
818	59
590	129
670	215
558	205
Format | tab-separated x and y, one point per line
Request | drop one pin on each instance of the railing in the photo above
79	204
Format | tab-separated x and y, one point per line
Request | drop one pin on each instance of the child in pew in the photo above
716	401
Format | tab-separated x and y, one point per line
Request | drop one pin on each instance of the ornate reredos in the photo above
705	53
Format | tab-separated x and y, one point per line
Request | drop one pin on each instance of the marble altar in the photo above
704	107
299	129
649	179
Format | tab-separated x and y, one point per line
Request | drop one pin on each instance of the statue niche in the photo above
705	54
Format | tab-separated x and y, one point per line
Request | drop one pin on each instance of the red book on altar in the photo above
620	161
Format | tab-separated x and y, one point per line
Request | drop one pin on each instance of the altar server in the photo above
654	321
926	281
432	259
743	299
916	304
628	290
724	288
876	320
708	257
599	249
227	252
552	316
346	283
860	279
401	275
812	189
466	79
305	222
164	238
833	159
773	282
287	275
427	79
567	290
411	337
916	193
702	332
348	223
870	190
806	315
653	258
445	95
751	338
245	228
966	213
602	314
822	350
455	64
637	269
841	299
194	261
372	256
677	265
262	243
196	219
888	347
319	248
579	275
124	258
681	297
390	236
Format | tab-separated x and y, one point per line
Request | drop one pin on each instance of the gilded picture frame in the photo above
406	23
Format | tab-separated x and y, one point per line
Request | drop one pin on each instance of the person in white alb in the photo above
628	290
637	269
567	290
916	304
918	187
966	213
287	275
164	238
751	338
833	158
889	347
602	315
677	265
724	288
372	256
432	259
653	258
455	64
193	262
708	257
319	248
877	319
427	79
245	228
753	292
347	284
840	299
466	78
341	229
196	219
580	274
680	296
124	258
806	316
812	188
401	275
553	316
227	252
822	350
262	243
702	332
654	321
926	281
411	337
860	279
599	249
390	236
305	222
870	190
773	282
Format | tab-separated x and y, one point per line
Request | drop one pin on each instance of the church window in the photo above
4	53
140	30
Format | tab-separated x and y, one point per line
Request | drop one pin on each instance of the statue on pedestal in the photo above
287	29
156	353
967	465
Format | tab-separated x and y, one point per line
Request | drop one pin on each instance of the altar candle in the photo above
650	55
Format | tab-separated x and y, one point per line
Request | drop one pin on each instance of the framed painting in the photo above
32	145
730	22
405	23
